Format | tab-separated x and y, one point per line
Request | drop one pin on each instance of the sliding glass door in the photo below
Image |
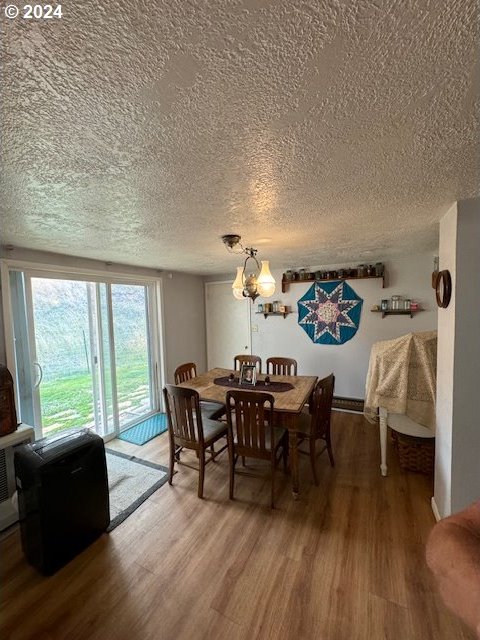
61	336
132	353
88	360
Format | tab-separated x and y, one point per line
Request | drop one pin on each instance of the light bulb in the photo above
265	281
237	286
238	294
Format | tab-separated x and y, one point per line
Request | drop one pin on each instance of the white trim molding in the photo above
435	510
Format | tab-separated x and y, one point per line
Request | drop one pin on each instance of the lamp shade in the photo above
265	281
237	286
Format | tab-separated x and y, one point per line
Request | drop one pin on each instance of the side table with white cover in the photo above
8	508
400	387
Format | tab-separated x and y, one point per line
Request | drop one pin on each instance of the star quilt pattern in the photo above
329	312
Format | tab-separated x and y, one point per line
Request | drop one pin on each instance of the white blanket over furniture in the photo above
400	389
401	378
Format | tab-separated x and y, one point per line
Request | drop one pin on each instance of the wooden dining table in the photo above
287	404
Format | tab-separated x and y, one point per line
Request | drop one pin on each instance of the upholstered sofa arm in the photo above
453	555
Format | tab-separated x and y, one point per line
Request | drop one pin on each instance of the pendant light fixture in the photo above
250	284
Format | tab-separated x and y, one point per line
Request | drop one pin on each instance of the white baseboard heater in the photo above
8	511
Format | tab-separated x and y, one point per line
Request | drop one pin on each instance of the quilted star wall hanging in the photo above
330	312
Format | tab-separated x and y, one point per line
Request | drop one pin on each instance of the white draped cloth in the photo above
402	377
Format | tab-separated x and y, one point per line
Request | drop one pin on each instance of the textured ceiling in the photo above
319	130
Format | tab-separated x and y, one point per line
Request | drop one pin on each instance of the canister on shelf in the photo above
395	303
384	305
379	268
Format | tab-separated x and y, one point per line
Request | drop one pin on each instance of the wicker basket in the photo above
415	454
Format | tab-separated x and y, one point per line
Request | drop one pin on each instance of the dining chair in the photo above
185	372
210	409
251	433
282	366
189	429
246	359
315	425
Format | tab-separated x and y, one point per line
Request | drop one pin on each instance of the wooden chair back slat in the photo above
246	359
185	372
253	413
282	366
321	406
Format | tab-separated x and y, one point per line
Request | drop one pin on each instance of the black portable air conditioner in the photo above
63	499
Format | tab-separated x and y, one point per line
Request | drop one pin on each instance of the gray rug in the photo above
130	481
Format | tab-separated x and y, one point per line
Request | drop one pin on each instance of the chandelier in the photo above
249	284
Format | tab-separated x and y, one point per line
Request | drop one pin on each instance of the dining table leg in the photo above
293	447
289	421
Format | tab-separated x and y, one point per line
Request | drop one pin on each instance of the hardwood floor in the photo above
346	562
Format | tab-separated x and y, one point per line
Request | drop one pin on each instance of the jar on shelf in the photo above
369	270
276	306
395	303
384	305
260	308
407	304
288	274
379	269
302	274
361	270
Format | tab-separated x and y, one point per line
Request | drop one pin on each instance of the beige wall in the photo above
184	322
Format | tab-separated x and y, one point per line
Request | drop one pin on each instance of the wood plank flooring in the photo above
346	562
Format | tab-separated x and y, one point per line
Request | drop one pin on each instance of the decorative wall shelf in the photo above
397	312
273	313
287	283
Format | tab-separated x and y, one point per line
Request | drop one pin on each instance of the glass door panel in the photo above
132	352
62	326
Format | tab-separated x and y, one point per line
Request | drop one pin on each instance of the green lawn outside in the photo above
72	396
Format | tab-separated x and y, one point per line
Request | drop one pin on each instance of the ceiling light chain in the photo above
251	285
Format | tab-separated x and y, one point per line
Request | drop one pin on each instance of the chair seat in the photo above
212	410
278	435
212	430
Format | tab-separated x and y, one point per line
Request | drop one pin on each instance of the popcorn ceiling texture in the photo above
319	130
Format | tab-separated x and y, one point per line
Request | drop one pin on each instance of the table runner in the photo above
260	385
